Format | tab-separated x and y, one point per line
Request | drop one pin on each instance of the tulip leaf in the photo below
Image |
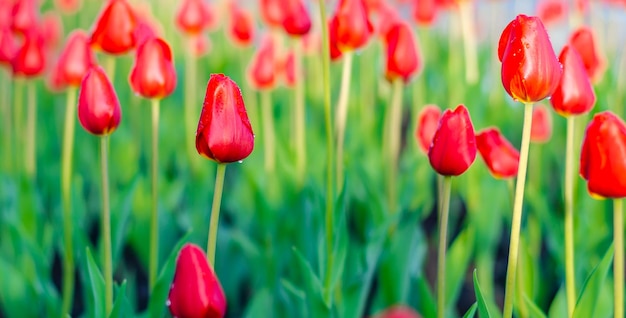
121	307
119	218
589	294
97	285
558	308
313	287
340	250
532	307
459	255
261	305
471	312
16	291
427	305
483	309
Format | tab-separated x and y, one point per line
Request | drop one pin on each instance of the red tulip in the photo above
311	43
51	28
25	16
388	17
296	20
241	28
30	58
427	123
194	16
114	30
144	32
602	161
75	60
272	12
574	95
6	14
453	148
335	52
287	69
403	58
99	110
425	12
530	69
8	46
552	11
499	155
196	291
68	6
584	40
541	129
153	74
224	133
398	311
199	45
353	26
582	6
262	68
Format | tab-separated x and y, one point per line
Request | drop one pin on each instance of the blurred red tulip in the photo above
6	14
224	133
403	57
24	16
199	45
153	74
574	95
272	12
582	6
68	6
8	46
75	60
287	69
196	291
530	69
194	16
296	20
144	32
263	65
335	52
53	81
552	11
541	129
425	12
30	59
602	161
398	311
241	27
453	148
584	41
99	110
427	123
51	28
388	17
114	30
312	43
353	25
499	155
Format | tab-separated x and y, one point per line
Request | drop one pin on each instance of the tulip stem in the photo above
18	100
618	262
269	136
299	117
342	114
215	212
106	227
466	11
516	222
394	127
5	92
110	67
66	184
570	283
443	236
330	195
189	108
31	119
154	220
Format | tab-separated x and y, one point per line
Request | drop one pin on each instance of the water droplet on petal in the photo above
240	161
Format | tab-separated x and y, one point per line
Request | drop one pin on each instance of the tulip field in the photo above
299	158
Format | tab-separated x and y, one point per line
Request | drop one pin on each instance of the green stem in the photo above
516	222
466	10
31	119
215	212
110	67
106	227
18	102
154	220
269	137
618	262
66	185
5	93
330	195
570	283
299	116
342	114
441	255
189	108
394	133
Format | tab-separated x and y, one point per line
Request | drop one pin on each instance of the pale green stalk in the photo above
342	114
215	212
154	219
299	116
618	261
466	11
570	282
31	120
269	136
107	258
394	132
443	237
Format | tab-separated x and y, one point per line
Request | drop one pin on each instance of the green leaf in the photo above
427	304
261	305
471	312
483	310
313	287
534	310
97	285
558	308
586	304
459	256
121	307
119	218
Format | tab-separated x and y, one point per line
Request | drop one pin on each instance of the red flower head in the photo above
153	74
75	60
602	161
6	14
114	30
99	110
196	291
353	26
51	28
144	32
427	123
224	133
403	58
194	16
199	45
584	41
30	58
398	311
25	16
287	69
388	17
8	46
68	6
574	95
272	12
425	12
335	52
453	148
296	20
263	66
530	69
541	129
499	155
241	28
552	11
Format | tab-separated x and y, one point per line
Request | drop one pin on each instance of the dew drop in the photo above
240	161
168	303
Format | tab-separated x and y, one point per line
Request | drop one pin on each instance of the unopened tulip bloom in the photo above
585	42
453	148
263	66
99	110
602	161
552	11
296	20
24	16
388	17
427	123
574	95
335	52
75	60
68	6
30	58
224	133
272	12
194	16
196	291
499	155
425	12
8	46
403	58
287	69
541	129
354	28
241	25
398	311
153	74
51	28
114	29
530	69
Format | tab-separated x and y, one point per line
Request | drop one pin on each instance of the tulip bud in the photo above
427	123
397	311
602	161
574	95
403	60
224	133
288	70
296	20
144	32
388	17
453	148
530	70
24	16
241	29
585	43
75	60
335	52
425	12
353	25
272	12
196	291
99	109
153	74
68	6
552	11
541	129
8	46
194	16
114	30
262	68
499	155
30	58
51	28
